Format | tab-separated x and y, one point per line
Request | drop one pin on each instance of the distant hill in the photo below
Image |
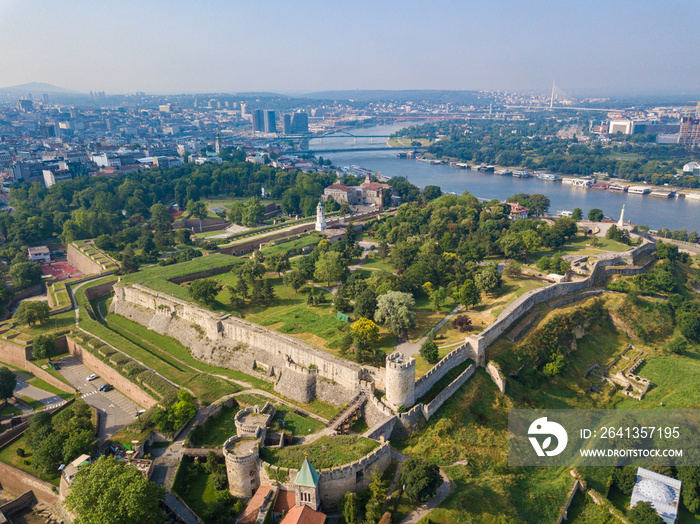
36	87
405	95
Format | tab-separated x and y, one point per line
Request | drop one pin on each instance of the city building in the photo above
296	123
39	254
517	212
624	126
51	176
258	120
692	168
270	122
664	493
690	131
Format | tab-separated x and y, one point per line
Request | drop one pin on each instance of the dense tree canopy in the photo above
111	491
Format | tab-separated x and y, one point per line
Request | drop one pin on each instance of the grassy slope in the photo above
326	452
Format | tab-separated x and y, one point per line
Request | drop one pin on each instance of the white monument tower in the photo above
621	222
320	218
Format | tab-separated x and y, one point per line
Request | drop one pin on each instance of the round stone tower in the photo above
241	456
400	380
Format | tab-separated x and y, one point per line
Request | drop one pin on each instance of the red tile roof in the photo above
250	513
285	501
303	515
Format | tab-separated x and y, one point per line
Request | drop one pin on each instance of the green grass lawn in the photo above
326	452
194	485
8	455
374	261
289	313
157	277
296	245
286	419
674	381
10	410
216	430
38	383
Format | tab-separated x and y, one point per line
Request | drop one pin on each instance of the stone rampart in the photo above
17	481
111	375
452	359
495	373
19	356
100	290
334	482
430	409
400	380
297	382
82	262
231	342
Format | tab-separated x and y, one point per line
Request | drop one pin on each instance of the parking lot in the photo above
26	390
116	409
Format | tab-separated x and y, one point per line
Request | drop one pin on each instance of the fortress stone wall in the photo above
231	342
334	482
449	361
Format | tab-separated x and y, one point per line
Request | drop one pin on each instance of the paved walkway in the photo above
413	348
269	395
442	492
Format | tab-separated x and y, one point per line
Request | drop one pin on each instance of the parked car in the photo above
91	377
106	387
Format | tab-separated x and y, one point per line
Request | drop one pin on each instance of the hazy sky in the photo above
267	45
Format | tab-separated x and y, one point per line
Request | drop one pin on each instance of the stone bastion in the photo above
246	471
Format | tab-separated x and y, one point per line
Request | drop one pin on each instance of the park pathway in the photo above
408	348
421	511
165	462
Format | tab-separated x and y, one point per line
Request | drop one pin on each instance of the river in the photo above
673	213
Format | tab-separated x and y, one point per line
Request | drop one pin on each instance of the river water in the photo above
673	213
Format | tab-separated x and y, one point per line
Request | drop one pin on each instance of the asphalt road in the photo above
23	389
115	408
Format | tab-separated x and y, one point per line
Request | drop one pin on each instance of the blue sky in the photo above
173	46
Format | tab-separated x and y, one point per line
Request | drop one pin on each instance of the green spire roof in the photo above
307	476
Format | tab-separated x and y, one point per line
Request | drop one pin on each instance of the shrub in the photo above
429	351
20	452
463	323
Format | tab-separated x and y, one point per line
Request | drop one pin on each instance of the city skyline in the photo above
309	46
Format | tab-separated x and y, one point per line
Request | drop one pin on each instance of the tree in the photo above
513	269
128	262
111	491
644	513
329	267
595	215
242	288
253	212
430	193
488	279
294	279
32	311
394	311
350	509
403	254
469	294
204	290
463	323
366	304
160	218
420	479
539	204
624	478
25	273
279	263
429	351
252	269
197	209
8	382
365	334
577	214
44	346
